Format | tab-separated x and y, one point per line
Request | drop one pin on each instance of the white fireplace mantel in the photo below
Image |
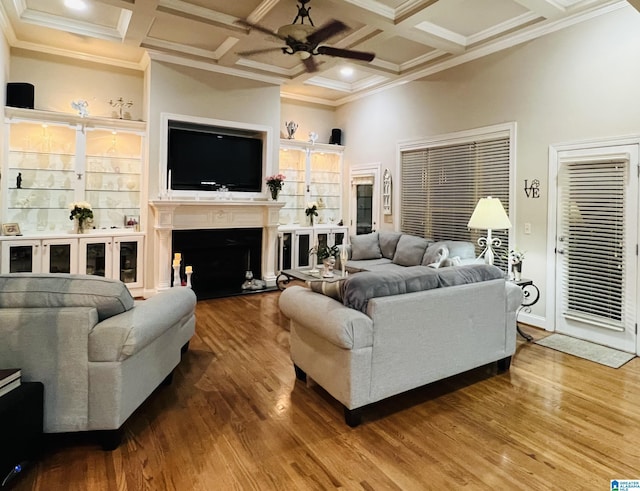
172	214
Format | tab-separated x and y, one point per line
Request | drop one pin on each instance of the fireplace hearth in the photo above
221	259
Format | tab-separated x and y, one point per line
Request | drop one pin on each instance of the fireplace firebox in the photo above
220	259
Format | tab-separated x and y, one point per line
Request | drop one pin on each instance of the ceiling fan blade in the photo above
257	27
345	53
326	31
310	64
257	51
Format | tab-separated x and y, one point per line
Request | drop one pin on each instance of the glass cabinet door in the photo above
95	256
59	256
127	261
285	252
96	259
21	256
303	244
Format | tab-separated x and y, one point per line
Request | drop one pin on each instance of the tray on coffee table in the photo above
306	274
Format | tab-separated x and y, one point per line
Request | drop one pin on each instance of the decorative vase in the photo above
291	129
79	226
311	220
328	264
274	194
517	271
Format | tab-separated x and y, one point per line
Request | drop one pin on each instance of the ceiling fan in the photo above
305	39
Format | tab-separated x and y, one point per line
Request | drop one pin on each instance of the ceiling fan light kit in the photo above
305	39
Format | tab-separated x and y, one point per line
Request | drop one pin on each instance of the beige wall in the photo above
59	80
310	117
576	84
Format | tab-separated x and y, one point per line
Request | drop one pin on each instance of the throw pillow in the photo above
365	246
388	243
331	289
435	255
410	250
450	261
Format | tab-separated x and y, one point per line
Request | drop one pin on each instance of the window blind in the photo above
441	186
592	235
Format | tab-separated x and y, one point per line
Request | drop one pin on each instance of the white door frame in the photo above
552	204
366	170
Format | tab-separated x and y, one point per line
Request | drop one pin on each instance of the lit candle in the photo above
176	262
177	256
188	269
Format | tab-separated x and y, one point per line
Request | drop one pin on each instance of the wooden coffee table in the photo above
306	274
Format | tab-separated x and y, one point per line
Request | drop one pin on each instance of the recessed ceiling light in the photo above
75	4
346	71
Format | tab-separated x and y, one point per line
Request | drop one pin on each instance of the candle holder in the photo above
343	261
314	262
189	273
176	275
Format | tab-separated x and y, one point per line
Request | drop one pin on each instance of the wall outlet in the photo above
527	228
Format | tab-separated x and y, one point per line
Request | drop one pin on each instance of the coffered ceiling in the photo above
411	38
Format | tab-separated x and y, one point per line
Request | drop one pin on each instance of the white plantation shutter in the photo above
592	239
441	186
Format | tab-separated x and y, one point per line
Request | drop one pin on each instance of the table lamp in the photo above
489	214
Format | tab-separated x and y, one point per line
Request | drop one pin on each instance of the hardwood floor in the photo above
236	418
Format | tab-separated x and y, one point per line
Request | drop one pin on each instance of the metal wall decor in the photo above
533	190
386	192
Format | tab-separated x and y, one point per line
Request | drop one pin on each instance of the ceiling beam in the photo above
143	15
544	8
405	28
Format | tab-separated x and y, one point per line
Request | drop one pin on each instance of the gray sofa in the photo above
98	352
389	251
382	333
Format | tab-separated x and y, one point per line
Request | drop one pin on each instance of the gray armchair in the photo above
99	353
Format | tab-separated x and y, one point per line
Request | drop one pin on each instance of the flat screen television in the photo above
205	158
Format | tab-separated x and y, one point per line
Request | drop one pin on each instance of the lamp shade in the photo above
489	214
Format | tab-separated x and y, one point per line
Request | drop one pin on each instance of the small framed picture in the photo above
132	221
10	229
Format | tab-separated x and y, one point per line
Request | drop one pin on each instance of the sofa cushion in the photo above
388	242
360	288
470	273
365	264
331	289
435	255
410	250
365	246
108	297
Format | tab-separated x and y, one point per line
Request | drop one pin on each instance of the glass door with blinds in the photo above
441	183
596	260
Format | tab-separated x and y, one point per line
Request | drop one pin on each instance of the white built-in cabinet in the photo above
53	159
314	172
295	242
118	255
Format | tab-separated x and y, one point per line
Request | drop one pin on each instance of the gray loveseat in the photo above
98	352
382	333
389	251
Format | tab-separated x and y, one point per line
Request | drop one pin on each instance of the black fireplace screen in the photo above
220	258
